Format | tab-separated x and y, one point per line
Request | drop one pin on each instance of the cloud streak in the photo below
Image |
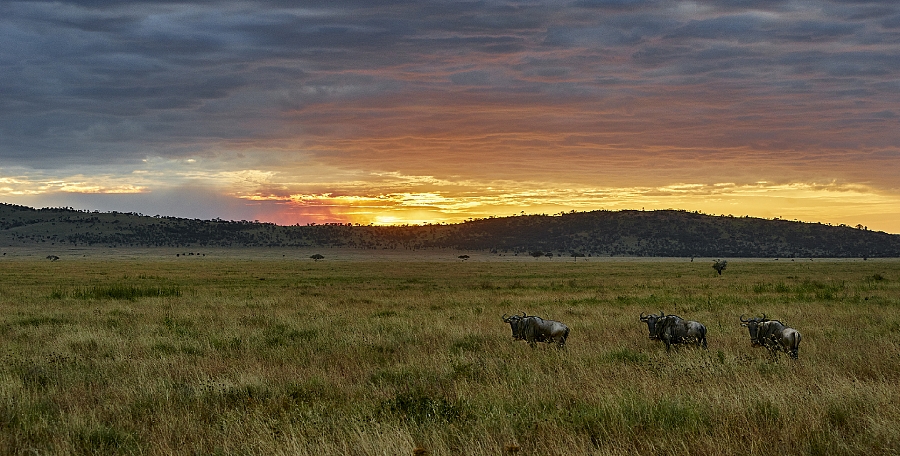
330	97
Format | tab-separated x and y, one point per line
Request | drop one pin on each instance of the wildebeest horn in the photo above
642	316
742	319
764	317
503	317
524	315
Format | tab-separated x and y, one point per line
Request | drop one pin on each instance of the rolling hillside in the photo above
666	233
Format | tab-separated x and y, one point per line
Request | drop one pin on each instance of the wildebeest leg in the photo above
772	345
560	339
792	345
791	351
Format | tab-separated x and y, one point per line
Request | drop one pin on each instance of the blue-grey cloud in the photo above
94	81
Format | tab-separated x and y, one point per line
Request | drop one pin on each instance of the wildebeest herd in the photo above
774	335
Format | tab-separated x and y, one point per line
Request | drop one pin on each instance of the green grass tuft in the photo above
117	291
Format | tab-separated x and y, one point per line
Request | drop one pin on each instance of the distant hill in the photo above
666	233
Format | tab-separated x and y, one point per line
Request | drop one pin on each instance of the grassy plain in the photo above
207	355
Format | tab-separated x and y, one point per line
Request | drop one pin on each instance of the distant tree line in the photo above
667	233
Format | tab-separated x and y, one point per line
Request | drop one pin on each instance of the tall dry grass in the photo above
384	358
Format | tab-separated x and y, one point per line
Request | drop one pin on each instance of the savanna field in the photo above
269	356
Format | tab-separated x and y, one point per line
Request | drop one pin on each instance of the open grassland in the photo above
272	356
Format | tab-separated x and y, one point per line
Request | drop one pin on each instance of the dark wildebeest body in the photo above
517	324
539	330
672	329
773	335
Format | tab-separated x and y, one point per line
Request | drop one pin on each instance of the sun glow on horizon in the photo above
388	220
850	204
395	199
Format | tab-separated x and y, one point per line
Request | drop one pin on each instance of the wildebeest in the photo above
672	329
773	335
535	329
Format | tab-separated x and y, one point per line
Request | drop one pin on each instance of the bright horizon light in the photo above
830	203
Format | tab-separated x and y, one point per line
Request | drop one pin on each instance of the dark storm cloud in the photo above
100	81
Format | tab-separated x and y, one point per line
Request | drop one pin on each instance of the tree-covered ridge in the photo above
597	233
675	233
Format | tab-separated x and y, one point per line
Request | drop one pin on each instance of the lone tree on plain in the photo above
317	257
720	265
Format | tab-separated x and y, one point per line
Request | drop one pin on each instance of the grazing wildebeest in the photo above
672	329
773	335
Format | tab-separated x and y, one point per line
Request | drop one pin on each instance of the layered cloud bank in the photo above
411	112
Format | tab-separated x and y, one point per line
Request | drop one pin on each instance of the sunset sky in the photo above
392	112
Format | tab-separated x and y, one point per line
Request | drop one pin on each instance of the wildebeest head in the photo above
516	324
752	325
651	323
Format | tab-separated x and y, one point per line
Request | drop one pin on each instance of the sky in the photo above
413	112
